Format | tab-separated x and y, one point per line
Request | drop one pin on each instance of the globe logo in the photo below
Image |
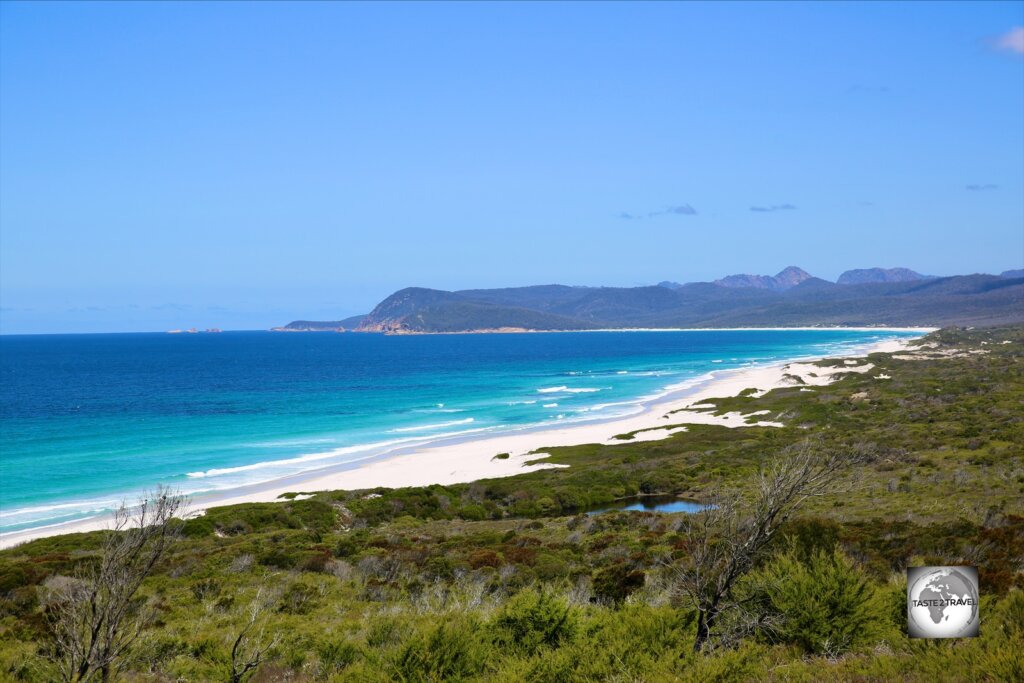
942	602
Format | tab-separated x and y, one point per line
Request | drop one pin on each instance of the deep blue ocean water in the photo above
86	420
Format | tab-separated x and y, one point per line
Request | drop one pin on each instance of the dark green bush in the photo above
197	527
533	620
449	652
615	583
825	605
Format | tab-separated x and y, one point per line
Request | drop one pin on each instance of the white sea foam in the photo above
308	457
326	455
423	428
567	390
98	505
295	465
288	442
550	405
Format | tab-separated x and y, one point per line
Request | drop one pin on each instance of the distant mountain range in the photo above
793	297
792	276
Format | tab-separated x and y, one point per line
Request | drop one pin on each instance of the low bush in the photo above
824	605
533	620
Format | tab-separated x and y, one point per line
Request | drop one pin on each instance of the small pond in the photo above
649	504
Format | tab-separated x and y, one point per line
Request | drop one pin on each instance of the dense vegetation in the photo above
961	300
509	580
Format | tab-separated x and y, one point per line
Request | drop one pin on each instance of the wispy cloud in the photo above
677	210
982	188
1011	41
773	207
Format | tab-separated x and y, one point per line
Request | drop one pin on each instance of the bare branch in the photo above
251	645
724	541
95	618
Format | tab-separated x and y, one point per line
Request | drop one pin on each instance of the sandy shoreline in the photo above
454	460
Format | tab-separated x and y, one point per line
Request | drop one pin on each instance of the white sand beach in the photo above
457	461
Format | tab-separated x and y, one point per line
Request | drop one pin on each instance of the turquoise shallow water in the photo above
86	420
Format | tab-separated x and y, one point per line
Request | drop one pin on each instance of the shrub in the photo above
825	605
197	527
385	631
278	557
533	620
549	567
298	598
615	583
448	652
335	656
484	558
313	561
805	537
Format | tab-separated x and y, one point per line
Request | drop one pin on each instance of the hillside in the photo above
966	300
862	275
322	325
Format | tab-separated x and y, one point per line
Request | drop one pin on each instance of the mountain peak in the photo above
791	276
786	278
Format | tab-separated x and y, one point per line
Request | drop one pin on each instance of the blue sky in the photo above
241	165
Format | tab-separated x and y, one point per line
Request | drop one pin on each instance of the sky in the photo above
243	165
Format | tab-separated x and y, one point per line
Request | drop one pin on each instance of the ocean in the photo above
89	420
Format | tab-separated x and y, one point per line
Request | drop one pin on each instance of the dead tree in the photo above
251	645
94	617
724	541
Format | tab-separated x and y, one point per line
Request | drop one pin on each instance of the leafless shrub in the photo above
383	568
506	572
242	563
960	478
94	618
725	540
340	569
581	592
252	643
